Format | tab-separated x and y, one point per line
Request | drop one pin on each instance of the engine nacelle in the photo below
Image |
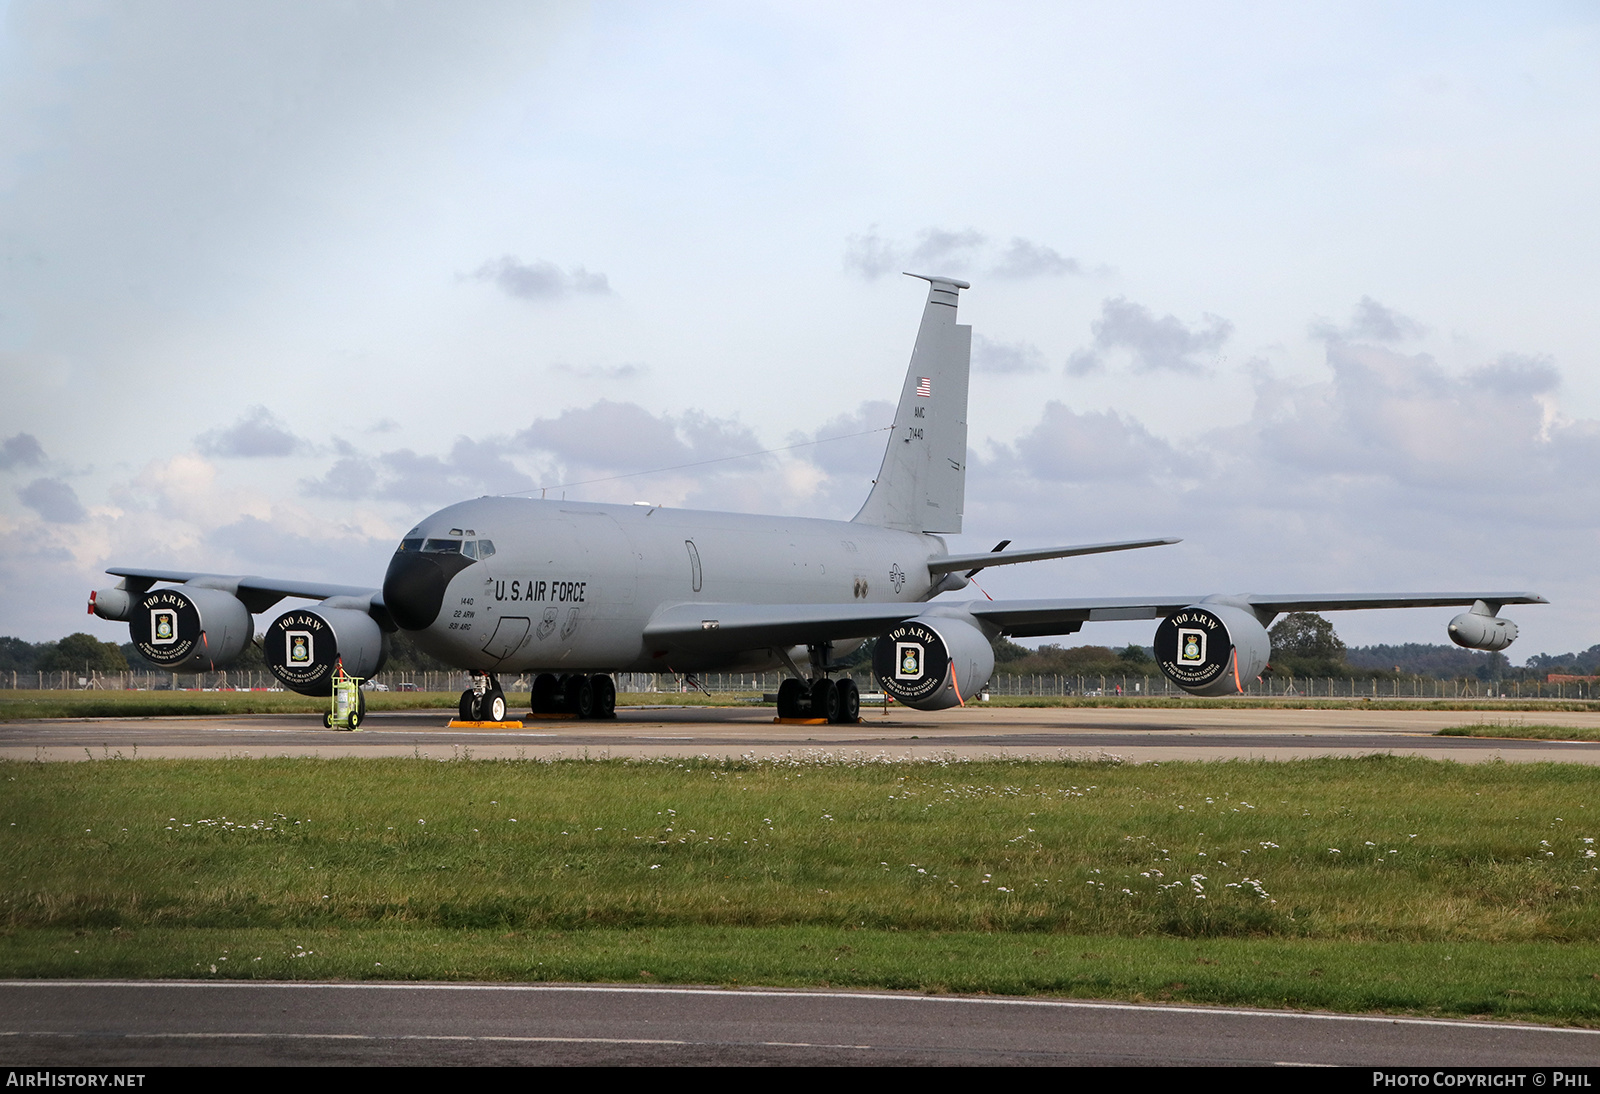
303	647
116	604
1481	629
1212	649
186	629
933	661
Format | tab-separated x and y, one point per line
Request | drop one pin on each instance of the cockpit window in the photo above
485	548
470	548
442	547
411	544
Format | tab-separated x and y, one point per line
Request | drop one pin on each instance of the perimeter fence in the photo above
766	683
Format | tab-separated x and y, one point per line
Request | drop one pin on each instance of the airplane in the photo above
573	592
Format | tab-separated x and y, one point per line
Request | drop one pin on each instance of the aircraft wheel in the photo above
494	706
361	706
825	700
605	696
849	701
579	695
469	706
791	695
546	696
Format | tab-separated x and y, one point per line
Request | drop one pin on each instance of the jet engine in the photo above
1481	629
186	629
303	647
933	661
1212	649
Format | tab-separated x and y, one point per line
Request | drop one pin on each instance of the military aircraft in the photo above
573	592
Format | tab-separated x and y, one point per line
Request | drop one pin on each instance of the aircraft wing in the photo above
708	627
257	593
716	627
1037	618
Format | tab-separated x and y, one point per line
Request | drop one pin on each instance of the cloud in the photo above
625	437
603	372
276	547
941	251
258	433
20	450
870	256
53	500
606	438
991	356
1370	322
541	280
1153	345
850	443
1406	420
1095	446
1514	374
351	477
470	469
1025	259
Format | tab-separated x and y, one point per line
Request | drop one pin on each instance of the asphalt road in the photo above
1131	734
133	1024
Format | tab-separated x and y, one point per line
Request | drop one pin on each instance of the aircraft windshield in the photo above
472	548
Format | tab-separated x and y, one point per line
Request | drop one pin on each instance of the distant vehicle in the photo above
572	591
406	685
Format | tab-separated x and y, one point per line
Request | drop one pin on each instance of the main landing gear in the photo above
587	696
839	701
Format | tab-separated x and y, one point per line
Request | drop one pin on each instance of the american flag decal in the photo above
925	387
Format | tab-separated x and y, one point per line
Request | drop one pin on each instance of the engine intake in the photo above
933	662
186	629
1212	649
1481	629
303	647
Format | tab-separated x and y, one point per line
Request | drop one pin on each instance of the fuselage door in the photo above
510	633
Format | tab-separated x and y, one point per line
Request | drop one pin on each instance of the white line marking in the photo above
416	1037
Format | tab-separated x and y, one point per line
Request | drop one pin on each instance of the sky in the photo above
1310	286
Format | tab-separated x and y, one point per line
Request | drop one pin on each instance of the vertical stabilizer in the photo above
921	486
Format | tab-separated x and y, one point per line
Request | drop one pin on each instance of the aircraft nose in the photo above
414	587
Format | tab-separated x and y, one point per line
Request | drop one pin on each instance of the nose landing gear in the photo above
484	701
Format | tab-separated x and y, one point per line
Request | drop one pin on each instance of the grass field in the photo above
1526	732
20	705
1390	883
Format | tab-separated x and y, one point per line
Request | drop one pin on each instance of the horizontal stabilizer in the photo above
951	563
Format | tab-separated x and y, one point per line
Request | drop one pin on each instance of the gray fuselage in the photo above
570	586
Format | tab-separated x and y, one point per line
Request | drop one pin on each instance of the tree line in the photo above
85	653
1303	644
